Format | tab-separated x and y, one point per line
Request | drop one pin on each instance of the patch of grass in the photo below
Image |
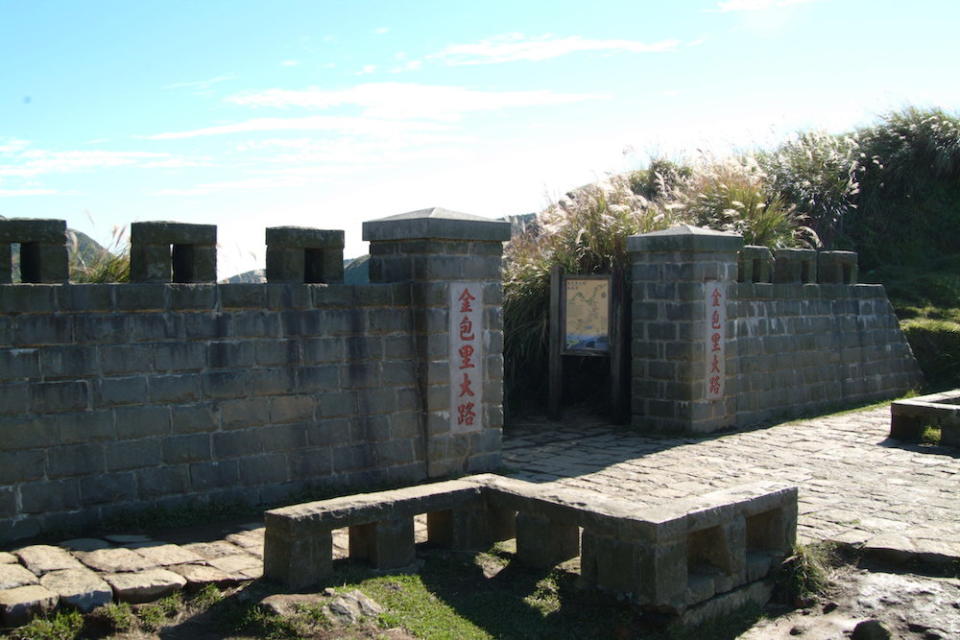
116	617
63	625
806	573
930	435
208	596
156	615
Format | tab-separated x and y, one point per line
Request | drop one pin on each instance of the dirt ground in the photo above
908	605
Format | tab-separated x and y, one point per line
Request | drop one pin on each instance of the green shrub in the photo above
62	625
936	345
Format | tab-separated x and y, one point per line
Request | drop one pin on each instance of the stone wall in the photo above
726	335
122	396
809	348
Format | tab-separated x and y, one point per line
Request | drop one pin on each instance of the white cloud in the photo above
512	47
201	85
367	69
343	125
12	193
396	100
756	5
381	30
13	145
409	65
34	162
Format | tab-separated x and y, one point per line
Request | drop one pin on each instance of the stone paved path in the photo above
856	485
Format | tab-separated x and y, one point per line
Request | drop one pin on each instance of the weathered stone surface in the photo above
145	586
436	223
115	560
215	549
870	630
42	558
163	555
247	539
287	604
352	607
80	588
304	237
14	575
8	558
199	574
19	605
235	565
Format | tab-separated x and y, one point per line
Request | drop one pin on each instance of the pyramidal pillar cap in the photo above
686	237
436	224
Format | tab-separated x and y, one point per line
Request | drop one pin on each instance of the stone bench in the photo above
298	548
665	558
908	418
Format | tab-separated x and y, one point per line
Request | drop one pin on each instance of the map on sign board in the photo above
586	303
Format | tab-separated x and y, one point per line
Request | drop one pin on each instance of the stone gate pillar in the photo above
682	343
452	261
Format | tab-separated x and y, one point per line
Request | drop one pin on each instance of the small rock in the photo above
80	588
286	604
830	607
115	560
798	630
870	630
43	558
14	575
345	610
18	605
145	585
85	544
368	606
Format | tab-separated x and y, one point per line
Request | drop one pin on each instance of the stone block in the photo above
14	575
107	488
435	223
465	529
165	251
42	558
387	544
145	586
794	266
297	554
19	605
755	264
79	588
837	267
48	497
542	543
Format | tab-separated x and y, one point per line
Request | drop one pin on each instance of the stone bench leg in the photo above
542	543
387	544
466	529
297	555
716	559
655	574
769	538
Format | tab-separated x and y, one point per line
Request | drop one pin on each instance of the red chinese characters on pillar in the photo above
716	318
466	372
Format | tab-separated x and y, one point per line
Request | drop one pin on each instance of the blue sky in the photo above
320	113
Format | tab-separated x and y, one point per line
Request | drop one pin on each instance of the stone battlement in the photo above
174	390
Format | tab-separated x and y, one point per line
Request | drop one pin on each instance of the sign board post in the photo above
587	319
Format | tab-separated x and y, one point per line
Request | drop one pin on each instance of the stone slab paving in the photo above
856	485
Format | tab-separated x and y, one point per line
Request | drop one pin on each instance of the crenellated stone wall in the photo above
162	393
729	336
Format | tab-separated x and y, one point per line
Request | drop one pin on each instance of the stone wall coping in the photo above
436	223
44	230
165	232
685	237
304	238
795	253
